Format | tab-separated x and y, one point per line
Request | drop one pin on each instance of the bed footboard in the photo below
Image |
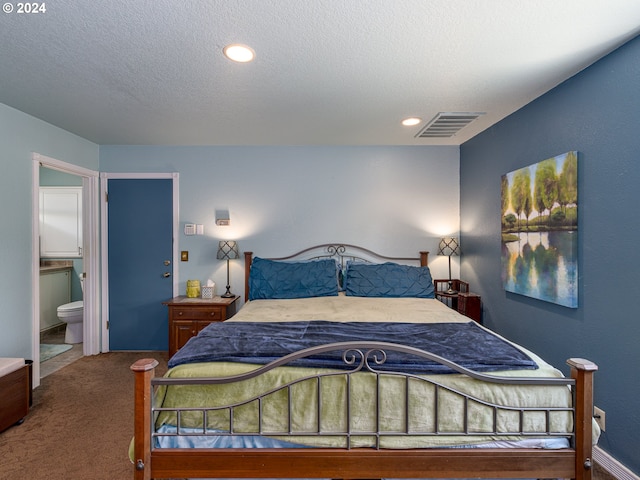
348	463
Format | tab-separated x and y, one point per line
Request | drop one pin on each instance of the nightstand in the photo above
465	302
450	299
187	316
470	304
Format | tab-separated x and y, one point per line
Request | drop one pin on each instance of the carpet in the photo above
80	424
48	351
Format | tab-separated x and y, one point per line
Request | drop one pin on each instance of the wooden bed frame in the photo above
365	463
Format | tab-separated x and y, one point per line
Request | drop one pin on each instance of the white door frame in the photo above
91	323
104	178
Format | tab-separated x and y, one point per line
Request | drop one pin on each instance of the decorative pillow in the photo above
388	280
277	279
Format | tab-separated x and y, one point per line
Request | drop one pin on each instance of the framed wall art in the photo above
540	230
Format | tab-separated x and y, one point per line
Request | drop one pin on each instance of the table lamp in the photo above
228	249
449	246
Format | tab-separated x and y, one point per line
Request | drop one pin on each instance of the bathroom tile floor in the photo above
62	360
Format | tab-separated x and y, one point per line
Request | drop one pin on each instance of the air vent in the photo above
447	124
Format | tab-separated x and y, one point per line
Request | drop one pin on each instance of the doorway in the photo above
91	322
139	270
61	269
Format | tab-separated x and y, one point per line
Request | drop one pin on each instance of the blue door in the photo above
140	243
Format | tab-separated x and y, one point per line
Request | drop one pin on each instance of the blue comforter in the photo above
259	343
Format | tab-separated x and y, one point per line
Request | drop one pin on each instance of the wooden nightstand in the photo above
470	304
465	302
450	299
187	316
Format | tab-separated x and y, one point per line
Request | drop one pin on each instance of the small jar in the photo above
193	288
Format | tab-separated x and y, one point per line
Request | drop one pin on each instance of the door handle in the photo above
166	275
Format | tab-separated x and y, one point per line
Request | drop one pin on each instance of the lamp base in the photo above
228	293
451	291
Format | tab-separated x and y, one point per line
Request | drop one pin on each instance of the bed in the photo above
358	373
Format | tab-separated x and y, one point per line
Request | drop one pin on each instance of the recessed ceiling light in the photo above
410	122
239	53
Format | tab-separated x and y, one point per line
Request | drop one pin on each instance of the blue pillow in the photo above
388	280
274	279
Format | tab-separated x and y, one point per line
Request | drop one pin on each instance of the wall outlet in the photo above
600	417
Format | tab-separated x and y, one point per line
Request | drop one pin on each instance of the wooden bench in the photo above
15	385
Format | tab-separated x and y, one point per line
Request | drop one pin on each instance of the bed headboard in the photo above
342	252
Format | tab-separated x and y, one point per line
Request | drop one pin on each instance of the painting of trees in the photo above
539	221
568	182
521	193
541	197
545	189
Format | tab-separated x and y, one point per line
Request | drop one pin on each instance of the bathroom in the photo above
61	269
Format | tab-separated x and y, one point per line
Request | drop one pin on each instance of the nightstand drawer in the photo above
194	313
187	316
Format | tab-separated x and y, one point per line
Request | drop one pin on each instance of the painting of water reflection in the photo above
540	230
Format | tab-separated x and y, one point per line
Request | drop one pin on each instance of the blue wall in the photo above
597	113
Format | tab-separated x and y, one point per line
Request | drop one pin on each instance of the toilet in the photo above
72	314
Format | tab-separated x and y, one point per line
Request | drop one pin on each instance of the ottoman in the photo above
15	385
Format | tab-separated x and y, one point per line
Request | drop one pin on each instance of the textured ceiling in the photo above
327	72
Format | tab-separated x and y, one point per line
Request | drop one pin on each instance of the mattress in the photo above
343	308
355	401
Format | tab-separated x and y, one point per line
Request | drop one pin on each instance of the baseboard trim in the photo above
612	466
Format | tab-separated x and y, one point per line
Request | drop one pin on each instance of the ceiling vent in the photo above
447	124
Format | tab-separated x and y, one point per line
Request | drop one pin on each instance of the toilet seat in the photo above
70	309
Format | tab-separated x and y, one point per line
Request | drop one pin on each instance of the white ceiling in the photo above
327	72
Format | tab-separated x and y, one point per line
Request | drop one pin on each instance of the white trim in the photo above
104	271
54	164
176	229
612	466
91	266
91	339
104	261
35	274
141	175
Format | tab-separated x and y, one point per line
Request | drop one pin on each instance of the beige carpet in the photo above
80	424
